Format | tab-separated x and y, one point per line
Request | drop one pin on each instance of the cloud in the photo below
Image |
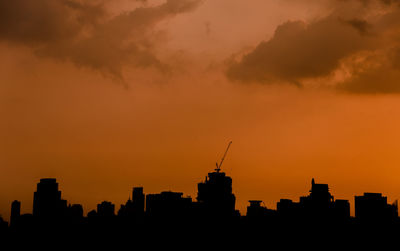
357	40
373	73
83	33
299	51
359	24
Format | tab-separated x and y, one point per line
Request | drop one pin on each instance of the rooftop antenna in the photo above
218	169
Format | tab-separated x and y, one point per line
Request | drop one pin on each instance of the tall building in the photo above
215	194
319	202
134	208
15	212
320	193
47	200
138	199
374	207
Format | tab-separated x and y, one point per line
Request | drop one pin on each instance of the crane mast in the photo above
218	169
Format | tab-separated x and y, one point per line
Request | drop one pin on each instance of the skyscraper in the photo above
134	208
138	201
47	200
215	194
15	212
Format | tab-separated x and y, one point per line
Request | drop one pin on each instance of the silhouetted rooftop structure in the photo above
258	212
318	205
47	200
15	212
341	209
106	209
134	208
75	211
215	194
374	207
287	208
168	204
320	191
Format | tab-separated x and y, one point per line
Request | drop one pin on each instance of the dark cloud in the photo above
359	24
44	21
378	72
387	2
82	32
298	51
360	42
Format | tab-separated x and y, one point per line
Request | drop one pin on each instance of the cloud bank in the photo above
358	40
84	33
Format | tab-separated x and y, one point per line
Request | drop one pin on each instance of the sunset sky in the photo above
105	95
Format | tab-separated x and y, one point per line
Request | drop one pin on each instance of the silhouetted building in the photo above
134	208
287	209
92	214
168	205
26	222
318	205
259	213
15	212
47	200
105	209
319	202
138	200
215	195
341	209
75	211
3	227
374	207
126	210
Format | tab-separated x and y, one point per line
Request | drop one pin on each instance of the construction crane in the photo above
218	169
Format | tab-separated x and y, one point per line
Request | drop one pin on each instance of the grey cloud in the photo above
363	47
83	33
298	51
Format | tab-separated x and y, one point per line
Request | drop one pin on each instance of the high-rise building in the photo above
319	194
319	202
374	207
134	208
47	200
15	212
138	199
215	194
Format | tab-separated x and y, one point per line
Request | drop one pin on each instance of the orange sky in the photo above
149	93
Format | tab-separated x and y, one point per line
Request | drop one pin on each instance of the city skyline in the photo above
352	211
213	207
106	95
